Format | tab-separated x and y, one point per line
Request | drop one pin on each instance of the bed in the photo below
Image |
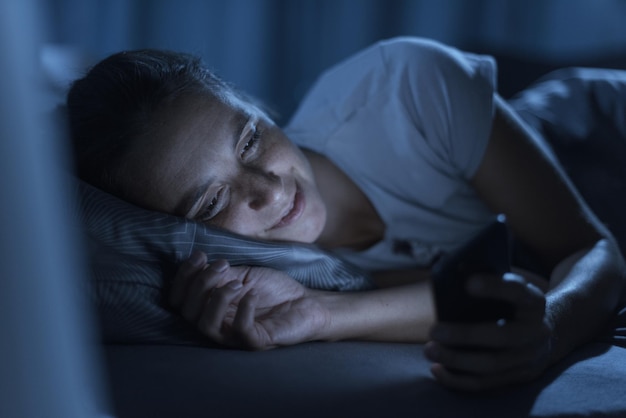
158	366
347	379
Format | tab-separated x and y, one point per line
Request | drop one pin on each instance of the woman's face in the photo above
228	166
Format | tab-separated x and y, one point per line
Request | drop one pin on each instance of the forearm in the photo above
402	314
584	292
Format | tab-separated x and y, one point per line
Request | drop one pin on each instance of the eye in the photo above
252	143
212	208
209	211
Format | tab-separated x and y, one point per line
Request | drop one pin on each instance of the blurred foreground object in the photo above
48	358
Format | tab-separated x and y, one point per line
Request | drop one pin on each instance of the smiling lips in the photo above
297	207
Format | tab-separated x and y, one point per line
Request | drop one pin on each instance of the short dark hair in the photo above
115	102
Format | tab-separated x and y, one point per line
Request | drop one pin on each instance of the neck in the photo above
352	220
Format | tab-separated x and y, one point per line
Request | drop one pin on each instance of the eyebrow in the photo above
190	200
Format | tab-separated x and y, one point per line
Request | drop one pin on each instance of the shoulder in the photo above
432	61
430	81
423	54
414	49
400	52
398	60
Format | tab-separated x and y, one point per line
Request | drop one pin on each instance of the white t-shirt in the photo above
408	120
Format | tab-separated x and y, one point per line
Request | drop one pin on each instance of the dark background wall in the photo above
274	49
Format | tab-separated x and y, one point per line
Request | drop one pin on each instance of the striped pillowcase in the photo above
134	253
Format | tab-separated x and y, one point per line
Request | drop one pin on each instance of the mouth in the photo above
294	211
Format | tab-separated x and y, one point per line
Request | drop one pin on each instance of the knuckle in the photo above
219	294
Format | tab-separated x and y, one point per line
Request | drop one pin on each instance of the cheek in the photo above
298	157
316	219
282	150
309	227
239	222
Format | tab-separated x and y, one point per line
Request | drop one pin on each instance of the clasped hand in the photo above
245	307
484	355
261	308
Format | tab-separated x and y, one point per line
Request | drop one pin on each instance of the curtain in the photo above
274	49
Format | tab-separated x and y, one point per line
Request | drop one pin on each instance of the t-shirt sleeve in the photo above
450	94
444	94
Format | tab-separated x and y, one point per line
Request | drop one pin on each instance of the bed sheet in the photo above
348	379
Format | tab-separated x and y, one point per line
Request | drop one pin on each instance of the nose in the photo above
264	189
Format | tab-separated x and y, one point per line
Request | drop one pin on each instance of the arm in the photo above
518	178
261	308
545	212
542	209
400	313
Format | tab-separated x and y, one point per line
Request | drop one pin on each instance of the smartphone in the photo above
487	252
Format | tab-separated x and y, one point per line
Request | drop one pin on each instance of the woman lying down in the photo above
396	155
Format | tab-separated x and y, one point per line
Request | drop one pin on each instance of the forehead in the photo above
193	121
184	142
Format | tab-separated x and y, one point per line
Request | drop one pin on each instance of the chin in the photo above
307	233
314	231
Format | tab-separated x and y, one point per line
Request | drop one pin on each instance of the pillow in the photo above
134	253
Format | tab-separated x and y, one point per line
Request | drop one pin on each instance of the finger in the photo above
200	289
244	329
497	335
483	334
475	383
195	263
528	299
214	312
484	362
